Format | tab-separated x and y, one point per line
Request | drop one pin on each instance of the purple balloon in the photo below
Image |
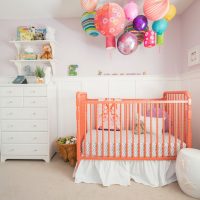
127	43
140	23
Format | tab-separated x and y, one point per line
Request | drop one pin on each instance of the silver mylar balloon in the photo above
127	43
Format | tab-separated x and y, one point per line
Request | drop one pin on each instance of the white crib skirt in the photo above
152	173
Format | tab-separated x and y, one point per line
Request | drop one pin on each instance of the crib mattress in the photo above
132	149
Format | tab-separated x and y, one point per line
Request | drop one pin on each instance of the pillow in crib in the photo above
110	114
160	115
154	122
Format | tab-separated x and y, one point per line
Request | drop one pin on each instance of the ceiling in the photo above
33	9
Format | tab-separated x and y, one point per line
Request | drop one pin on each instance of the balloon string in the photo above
159	49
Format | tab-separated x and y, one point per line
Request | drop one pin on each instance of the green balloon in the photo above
160	39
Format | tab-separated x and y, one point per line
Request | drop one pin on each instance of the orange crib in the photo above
138	129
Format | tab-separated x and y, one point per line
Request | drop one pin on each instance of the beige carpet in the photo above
37	180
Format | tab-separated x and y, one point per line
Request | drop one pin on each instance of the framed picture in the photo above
194	56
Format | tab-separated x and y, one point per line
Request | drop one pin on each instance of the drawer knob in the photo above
11	126
35	138
33	102
10	102
34	114
10	113
34	125
9	91
33	91
35	150
11	138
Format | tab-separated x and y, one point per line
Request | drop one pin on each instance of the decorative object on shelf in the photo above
31	33
127	43
67	149
140	23
47	52
150	39
110	21
89	5
155	9
99	73
39	73
28	54
20	80
110	18
87	22
131	10
72	70
28	71
171	13
138	34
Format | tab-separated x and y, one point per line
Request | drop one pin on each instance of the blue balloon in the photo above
160	26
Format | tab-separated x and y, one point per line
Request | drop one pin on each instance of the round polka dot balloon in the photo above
150	39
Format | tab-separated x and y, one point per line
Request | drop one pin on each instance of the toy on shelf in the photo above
47	52
72	70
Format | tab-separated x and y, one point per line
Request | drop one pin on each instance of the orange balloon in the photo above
89	5
155	9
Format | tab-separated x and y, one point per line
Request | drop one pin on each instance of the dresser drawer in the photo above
25	149
35	102
25	138
24	125
23	113
11	102
35	91
11	91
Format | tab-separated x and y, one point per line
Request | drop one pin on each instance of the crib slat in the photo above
139	129
102	129
97	132
120	130
115	105
170	128
175	128
133	130
85	131
91	130
157	130
109	129
163	129
151	130
127	112
145	131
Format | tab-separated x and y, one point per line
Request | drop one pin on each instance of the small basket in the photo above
67	152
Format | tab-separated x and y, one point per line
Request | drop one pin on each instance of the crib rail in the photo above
133	129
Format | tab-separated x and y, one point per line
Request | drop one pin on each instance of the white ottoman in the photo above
188	171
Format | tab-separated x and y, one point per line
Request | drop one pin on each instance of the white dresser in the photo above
28	121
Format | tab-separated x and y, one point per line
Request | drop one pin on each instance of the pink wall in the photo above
75	47
190	33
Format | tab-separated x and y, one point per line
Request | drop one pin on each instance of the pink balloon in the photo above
155	9
131	11
127	43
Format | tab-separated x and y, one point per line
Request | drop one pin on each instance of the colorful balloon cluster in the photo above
110	20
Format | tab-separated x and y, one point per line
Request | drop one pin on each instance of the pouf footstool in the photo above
188	171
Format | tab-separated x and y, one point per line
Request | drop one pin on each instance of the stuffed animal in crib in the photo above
47	52
141	124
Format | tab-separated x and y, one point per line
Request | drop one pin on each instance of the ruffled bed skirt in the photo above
152	173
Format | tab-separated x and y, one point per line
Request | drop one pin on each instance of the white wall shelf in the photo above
20	43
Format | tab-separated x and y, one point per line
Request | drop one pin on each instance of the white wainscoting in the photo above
191	82
102	87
